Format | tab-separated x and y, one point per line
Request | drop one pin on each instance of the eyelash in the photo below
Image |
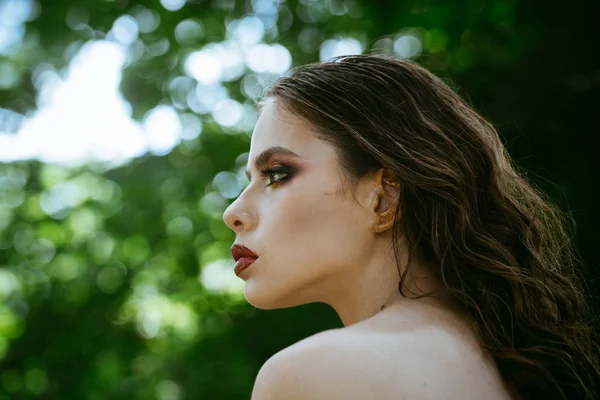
272	171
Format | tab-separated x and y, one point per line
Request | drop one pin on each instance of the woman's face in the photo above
312	237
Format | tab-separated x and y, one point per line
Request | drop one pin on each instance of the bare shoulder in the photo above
296	372
351	364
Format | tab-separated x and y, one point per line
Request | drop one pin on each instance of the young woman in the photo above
375	189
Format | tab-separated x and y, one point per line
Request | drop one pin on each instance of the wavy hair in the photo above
501	248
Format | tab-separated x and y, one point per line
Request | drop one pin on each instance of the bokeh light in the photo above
340	47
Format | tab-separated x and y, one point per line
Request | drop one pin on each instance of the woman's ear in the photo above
384	200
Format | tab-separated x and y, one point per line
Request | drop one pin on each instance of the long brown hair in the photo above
501	248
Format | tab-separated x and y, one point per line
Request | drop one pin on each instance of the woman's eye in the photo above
276	176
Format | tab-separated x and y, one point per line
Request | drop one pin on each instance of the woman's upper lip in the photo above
238	251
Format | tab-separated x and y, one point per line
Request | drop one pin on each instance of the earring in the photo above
385	220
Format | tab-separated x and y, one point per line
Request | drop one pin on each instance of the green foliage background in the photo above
108	295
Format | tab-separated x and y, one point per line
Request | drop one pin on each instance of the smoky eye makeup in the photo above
278	173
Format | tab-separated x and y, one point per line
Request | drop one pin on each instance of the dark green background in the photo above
531	67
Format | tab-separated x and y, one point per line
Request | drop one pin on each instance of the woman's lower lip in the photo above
243	263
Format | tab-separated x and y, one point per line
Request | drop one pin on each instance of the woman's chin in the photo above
265	299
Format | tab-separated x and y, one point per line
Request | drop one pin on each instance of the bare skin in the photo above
320	240
416	352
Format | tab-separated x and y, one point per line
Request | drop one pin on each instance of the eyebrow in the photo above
266	155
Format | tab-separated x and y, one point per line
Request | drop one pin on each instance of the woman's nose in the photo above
236	219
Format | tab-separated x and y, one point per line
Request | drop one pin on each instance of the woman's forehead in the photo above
279	127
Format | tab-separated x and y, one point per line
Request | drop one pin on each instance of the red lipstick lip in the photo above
238	251
243	256
242	264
